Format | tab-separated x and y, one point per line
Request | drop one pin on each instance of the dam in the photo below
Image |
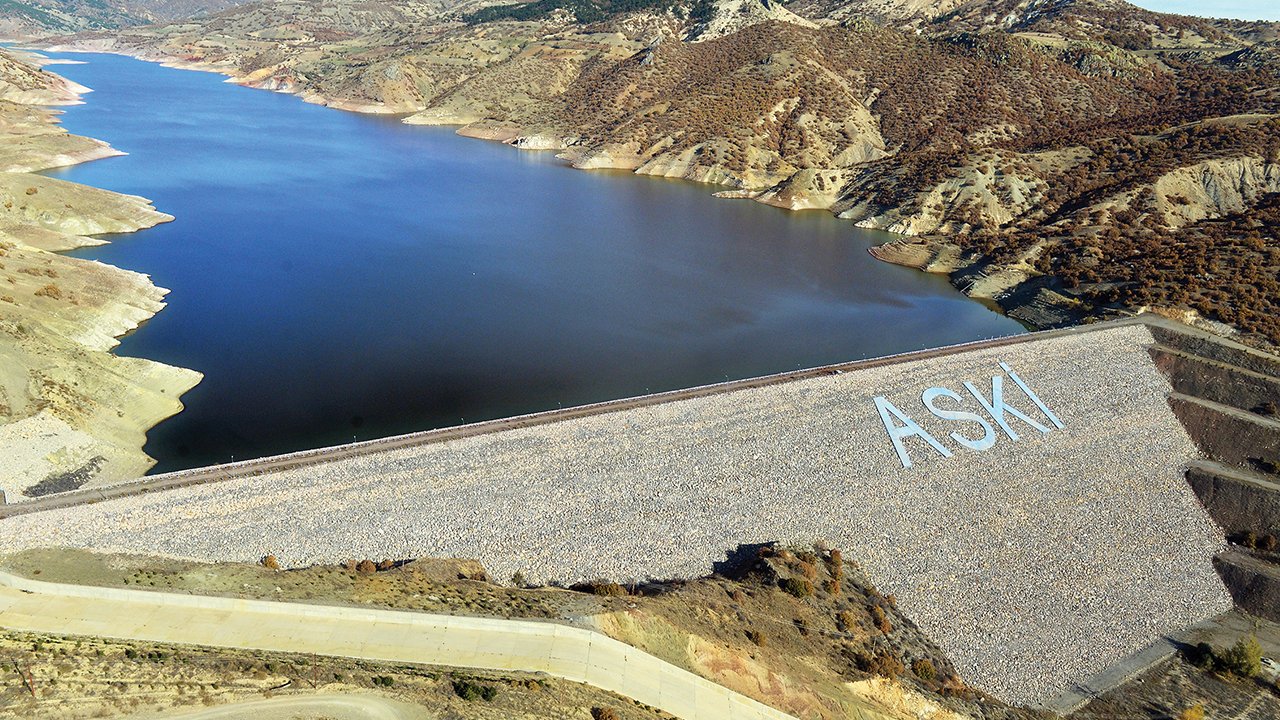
1026	499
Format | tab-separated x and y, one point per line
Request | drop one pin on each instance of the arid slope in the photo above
71	412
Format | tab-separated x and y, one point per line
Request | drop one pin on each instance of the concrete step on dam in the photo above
1025	499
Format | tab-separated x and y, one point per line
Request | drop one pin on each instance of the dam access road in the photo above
1024	499
571	653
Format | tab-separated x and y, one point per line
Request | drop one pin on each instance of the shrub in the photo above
1268	542
608	589
604	713
1195	712
32	191
882	663
756	637
386	565
846	620
50	291
366	567
472	691
796	586
835	562
269	562
881	619
1243	659
924	669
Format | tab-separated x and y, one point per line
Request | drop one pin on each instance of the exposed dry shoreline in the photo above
72	413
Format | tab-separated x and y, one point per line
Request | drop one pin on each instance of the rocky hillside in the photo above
38	18
1069	159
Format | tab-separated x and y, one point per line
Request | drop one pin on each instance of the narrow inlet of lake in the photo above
338	276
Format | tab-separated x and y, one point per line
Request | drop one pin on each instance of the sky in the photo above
1244	9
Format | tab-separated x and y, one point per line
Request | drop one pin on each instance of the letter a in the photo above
898	433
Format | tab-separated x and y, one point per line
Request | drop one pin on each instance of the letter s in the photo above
983	443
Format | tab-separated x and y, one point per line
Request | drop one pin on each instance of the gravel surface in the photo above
1034	564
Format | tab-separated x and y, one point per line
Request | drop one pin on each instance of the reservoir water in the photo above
340	276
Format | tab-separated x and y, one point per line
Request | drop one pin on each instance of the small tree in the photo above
1244	658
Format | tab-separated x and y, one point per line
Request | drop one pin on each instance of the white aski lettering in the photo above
900	426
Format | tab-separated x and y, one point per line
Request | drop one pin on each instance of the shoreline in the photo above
73	414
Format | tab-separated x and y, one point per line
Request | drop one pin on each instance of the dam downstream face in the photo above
339	276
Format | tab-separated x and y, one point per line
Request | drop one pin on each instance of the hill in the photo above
37	18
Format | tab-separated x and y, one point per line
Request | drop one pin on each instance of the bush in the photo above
883	664
835	563
602	588
472	691
924	669
1195	712
269	562
366	567
1243	659
797	587
756	637
846	620
881	619
604	713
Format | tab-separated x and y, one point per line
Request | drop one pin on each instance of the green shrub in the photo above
472	691
796	586
1243	659
924	669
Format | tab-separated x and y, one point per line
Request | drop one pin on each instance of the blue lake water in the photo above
340	276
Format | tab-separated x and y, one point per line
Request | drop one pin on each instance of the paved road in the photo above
567	652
